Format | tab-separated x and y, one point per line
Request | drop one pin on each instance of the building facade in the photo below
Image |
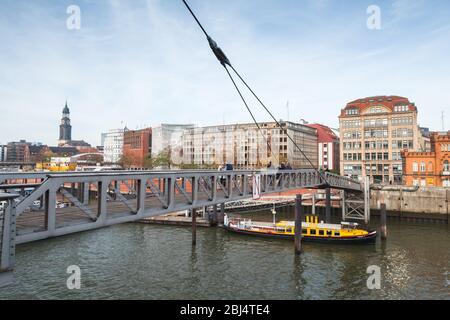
373	133
429	168
137	147
328	147
166	136
3	153
113	145
245	147
18	151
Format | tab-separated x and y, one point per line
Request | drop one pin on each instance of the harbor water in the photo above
141	261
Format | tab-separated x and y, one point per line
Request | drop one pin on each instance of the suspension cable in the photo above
274	119
220	55
251	113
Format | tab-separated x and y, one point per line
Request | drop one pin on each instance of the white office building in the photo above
166	137
113	145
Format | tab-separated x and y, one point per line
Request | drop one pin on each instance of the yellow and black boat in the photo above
312	230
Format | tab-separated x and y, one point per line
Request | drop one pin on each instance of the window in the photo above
337	234
415	167
446	166
430	167
351	112
375	110
329	233
422	167
415	182
446	183
321	233
401	108
312	232
304	231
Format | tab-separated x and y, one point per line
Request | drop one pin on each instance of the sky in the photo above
137	63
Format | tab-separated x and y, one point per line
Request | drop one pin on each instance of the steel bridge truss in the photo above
61	204
68	203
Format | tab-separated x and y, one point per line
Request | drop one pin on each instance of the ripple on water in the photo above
136	261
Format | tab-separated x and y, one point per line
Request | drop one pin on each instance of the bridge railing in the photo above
72	202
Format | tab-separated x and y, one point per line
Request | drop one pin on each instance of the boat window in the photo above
312	232
321	233
329	233
304	231
337	234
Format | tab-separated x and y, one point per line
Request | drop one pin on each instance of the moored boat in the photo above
312	230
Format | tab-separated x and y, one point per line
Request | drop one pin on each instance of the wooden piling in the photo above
194	227
383	221
328	205
298	224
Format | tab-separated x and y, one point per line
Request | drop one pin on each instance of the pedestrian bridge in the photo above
50	205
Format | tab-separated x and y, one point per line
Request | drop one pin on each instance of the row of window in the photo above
402	120
351	123
429	182
352	156
376	133
352	145
352	135
376	156
376	109
352	169
402	144
377	144
376	122
422	167
402	133
401	108
445	147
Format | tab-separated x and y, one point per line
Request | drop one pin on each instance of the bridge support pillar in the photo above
313	198
214	216
298	223
383	222
356	205
7	239
328	205
221	215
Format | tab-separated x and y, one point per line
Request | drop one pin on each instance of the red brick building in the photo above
429	168
328	144
136	147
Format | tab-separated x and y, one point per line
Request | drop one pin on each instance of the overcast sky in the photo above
137	62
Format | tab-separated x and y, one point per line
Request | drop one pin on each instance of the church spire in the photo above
65	129
66	109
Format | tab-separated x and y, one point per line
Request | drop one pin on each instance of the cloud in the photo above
147	62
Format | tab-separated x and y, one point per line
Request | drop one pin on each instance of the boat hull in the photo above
368	239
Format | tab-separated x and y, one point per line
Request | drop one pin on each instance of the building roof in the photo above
387	101
36	149
324	134
64	150
77	143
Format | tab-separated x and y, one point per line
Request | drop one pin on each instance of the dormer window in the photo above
351	112
404	108
375	110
